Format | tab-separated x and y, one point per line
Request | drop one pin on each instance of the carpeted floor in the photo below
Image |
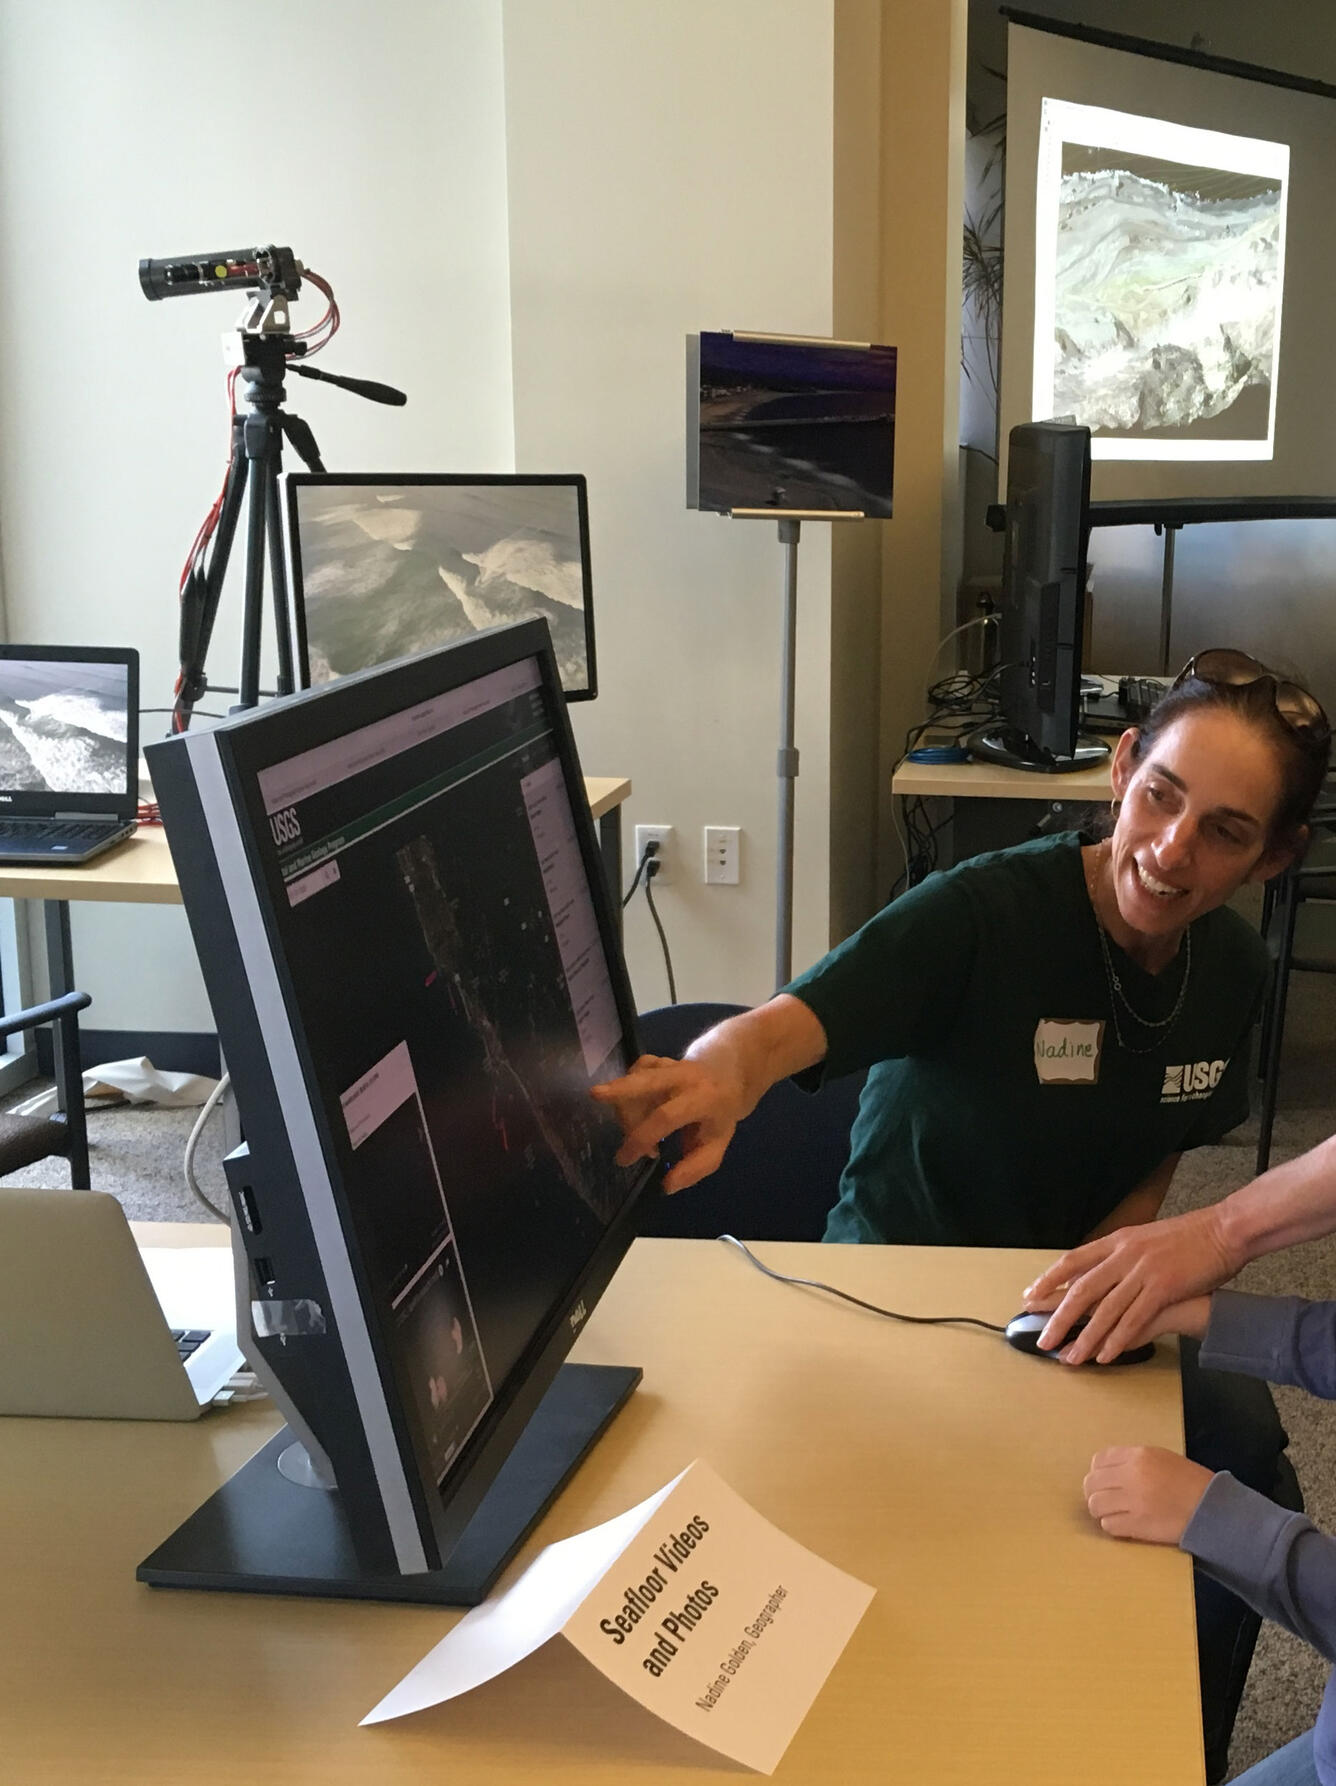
137	1152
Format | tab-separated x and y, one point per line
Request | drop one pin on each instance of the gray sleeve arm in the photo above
1274	1559
1281	1338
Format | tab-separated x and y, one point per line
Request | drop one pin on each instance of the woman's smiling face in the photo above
1195	820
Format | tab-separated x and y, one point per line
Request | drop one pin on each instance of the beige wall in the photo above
557	218
900	74
922	130
670	171
790	168
133	129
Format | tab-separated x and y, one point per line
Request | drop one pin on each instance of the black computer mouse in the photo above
1023	1332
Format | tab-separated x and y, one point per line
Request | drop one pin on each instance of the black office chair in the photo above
1312	881
781	1173
26	1139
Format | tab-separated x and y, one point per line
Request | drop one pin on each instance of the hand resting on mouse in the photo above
1028	1332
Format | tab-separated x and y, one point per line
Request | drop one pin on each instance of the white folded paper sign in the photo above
692	1603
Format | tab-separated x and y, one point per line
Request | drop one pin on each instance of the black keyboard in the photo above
59	830
1135	697
1139	694
188	1340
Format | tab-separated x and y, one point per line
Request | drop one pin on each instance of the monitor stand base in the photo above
261	1533
1010	746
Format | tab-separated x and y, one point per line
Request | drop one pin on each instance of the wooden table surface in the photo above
1010	1643
994	781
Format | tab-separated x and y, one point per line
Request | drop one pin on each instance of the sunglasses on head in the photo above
1301	712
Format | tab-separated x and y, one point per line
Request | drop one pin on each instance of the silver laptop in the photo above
93	1326
69	751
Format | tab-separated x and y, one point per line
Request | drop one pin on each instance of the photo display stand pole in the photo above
790	526
787	765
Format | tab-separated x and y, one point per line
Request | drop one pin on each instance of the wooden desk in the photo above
993	781
1010	1641
140	871
996	806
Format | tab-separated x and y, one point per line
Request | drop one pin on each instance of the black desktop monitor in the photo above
397	898
782	424
383	566
1043	604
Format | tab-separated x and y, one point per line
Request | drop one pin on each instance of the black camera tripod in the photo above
256	460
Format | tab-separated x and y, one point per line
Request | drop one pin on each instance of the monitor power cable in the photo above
650	851
648	867
809	1283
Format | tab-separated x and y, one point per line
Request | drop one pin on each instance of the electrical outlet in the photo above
723	849
663	836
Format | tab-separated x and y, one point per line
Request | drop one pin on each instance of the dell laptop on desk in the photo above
69	752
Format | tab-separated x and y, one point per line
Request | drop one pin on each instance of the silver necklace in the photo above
1117	996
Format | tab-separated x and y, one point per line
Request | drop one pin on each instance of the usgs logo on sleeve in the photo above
1192	1082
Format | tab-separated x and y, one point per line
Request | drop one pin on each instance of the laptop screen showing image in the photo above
68	730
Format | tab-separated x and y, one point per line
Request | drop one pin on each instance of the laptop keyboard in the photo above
60	830
1139	694
188	1340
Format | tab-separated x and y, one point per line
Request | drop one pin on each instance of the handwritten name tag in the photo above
1067	1051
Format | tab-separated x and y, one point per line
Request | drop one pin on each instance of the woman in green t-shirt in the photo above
1046	1029
1212	791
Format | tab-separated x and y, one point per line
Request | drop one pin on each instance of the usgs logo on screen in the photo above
284	826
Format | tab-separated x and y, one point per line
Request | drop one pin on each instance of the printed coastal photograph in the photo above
1166	285
63	726
386	568
787	425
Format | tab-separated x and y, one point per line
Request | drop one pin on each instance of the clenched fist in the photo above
1141	1491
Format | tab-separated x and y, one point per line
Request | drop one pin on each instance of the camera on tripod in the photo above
274	273
269	349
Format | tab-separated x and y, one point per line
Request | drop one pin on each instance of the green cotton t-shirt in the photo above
1001	1108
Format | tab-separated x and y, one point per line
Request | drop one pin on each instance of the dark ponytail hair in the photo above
1303	755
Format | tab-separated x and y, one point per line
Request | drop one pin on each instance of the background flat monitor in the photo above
788	424
397	898
1042	609
383	567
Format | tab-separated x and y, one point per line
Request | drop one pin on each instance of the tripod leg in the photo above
200	595
261	445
